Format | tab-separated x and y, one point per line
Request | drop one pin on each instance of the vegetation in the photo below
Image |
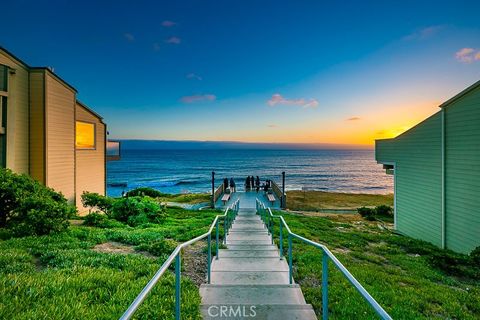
95	201
137	210
29	208
381	212
68	276
191	198
410	278
317	200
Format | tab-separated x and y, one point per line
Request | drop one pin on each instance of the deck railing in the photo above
218	193
279	193
268	218
228	216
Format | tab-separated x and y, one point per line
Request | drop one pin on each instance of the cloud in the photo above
272	125
279	99
424	33
193	76
353	119
156	47
173	40
168	23
467	55
198	98
129	36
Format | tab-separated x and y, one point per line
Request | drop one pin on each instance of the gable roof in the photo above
460	95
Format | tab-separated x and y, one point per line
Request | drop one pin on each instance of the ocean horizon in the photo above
188	169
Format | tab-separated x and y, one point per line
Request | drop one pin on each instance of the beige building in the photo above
47	133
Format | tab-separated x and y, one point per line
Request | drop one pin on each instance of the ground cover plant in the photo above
411	279
96	272
190	198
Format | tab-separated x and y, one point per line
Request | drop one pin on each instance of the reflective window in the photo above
85	137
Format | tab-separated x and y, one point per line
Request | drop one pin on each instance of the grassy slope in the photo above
191	198
314	200
60	277
396	270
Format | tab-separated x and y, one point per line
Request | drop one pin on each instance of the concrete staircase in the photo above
249	280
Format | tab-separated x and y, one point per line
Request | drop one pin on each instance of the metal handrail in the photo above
268	217
175	255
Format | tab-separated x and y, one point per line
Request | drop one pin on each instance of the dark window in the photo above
3	132
3	77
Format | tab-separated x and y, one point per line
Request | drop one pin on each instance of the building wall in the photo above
37	125
90	171
462	174
417	158
60	139
17	115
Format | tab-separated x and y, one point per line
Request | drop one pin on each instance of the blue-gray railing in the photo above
228	216
268	219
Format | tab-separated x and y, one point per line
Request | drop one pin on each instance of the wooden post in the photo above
213	189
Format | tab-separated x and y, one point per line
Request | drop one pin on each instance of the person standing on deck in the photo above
232	185
257	182
225	184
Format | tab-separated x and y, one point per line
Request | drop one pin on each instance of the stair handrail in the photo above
176	254
267	217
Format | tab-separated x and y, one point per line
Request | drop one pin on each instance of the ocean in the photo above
189	171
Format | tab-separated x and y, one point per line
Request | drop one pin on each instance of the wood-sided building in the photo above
47	133
436	167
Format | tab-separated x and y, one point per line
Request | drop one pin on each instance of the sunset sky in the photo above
255	71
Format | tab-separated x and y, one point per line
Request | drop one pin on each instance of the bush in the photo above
141	192
475	256
384	211
366	212
95	201
137	210
100	220
29	208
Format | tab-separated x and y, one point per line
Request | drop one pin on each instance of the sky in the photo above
336	72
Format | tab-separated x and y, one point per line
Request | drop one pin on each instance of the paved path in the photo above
247	200
249	280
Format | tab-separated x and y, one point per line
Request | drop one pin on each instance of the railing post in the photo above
209	256
325	286
178	267
281	239
290	259
271	231
216	235
225	229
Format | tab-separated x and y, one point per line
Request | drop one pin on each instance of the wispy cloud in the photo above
353	119
168	23
174	40
424	33
156	47
130	37
467	55
198	98
278	99
272	125
193	76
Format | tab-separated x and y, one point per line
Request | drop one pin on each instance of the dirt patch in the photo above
119	248
75	222
341	250
195	262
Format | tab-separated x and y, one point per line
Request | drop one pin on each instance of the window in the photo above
3	131
3	78
85	138
113	150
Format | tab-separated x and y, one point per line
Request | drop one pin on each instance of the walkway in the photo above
247	200
250	280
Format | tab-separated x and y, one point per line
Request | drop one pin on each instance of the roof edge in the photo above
83	105
460	95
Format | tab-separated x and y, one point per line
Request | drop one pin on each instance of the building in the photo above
436	167
47	133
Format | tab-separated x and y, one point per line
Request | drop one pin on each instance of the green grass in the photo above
190	198
317	200
61	277
407	277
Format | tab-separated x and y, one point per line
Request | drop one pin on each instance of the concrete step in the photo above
248	242
249	264
258	312
252	247
248	253
249	277
248	227
250	230
240	218
247	221
248	236
251	294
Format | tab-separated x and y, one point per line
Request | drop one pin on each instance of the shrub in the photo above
159	247
137	210
97	201
100	220
366	212
384	211
29	208
475	256
143	191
